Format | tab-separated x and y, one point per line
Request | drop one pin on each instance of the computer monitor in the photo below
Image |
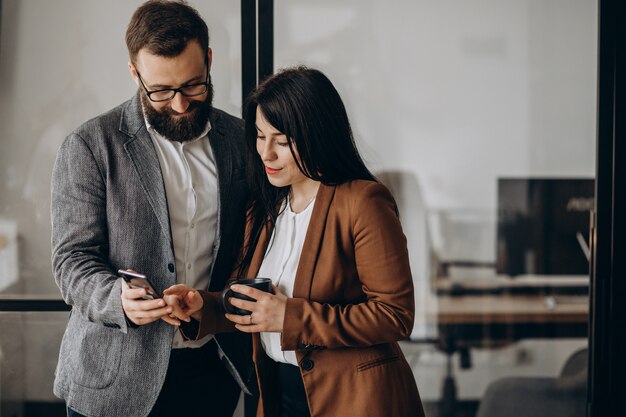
543	226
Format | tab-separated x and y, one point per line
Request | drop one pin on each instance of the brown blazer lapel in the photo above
313	242
311	248
259	253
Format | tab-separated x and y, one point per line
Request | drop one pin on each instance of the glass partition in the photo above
62	63
447	100
29	348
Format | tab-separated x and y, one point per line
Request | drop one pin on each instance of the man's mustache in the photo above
193	106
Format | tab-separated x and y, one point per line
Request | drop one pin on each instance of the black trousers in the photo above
293	398
196	385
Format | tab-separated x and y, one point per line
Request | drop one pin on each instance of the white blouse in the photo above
280	264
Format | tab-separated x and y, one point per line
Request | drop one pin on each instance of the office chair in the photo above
563	396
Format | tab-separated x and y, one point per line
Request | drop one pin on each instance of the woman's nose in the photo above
267	153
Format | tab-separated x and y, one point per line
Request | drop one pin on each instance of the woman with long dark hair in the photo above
328	235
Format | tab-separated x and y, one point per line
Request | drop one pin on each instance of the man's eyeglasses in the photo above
166	94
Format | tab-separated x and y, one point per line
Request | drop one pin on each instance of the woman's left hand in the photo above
268	312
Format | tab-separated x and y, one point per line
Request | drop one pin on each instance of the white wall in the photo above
456	92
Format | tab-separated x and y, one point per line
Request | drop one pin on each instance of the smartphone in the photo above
137	280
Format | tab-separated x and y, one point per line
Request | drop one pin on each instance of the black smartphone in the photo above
137	280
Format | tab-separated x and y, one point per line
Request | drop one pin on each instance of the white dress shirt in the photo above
280	264
191	187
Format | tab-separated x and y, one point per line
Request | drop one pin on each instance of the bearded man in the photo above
155	185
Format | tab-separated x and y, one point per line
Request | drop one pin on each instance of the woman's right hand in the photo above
188	298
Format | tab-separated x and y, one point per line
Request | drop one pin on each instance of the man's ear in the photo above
209	58
133	72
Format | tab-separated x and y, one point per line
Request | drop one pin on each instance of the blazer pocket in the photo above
98	357
377	362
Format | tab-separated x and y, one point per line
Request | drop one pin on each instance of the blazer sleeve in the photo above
80	239
382	265
212	321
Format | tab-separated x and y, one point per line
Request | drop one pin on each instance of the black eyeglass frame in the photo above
180	89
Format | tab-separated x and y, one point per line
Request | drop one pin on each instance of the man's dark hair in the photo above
165	28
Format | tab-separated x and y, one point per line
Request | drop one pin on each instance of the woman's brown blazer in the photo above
352	301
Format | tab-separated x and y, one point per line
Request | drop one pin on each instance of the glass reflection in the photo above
447	100
29	349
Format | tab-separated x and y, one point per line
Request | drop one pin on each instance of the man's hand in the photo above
141	311
188	299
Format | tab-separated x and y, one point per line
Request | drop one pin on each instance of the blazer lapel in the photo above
310	249
313	242
145	161
259	253
223	164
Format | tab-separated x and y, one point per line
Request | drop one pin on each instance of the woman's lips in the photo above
271	171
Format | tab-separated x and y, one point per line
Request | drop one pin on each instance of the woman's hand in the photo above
268	312
187	298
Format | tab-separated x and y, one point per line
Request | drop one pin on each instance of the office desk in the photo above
511	309
527	284
499	309
491	320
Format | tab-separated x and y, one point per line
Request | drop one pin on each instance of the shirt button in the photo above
170	267
188	266
193	225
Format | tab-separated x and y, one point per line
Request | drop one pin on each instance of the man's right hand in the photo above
141	311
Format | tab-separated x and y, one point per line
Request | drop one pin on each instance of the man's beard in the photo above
179	128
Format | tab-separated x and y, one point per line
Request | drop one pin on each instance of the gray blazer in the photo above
109	211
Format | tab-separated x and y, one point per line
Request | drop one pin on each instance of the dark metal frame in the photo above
32	303
248	47
257	43
607	310
257	62
266	39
